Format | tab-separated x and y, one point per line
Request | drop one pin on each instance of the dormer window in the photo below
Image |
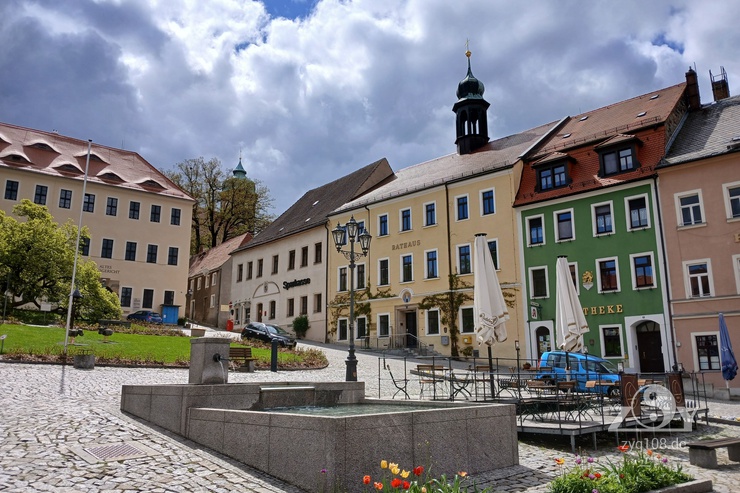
618	155
552	177
617	161
553	171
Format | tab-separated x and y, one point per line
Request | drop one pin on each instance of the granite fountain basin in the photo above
294	430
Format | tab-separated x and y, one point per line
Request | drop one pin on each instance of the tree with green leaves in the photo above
36	262
225	206
449	304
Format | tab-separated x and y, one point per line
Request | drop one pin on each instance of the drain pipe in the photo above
667	293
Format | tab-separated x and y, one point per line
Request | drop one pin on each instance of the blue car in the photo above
146	316
602	373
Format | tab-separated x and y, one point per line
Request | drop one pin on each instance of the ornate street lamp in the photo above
341	235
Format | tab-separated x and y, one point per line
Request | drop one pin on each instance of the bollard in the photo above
273	358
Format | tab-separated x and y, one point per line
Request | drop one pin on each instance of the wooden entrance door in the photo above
411	333
650	348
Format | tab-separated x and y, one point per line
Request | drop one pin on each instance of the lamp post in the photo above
341	235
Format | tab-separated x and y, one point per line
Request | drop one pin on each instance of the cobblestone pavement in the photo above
48	413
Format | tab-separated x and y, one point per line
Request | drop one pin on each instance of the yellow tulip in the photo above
395	470
405	474
383	464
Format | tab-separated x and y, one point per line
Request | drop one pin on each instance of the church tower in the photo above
470	114
239	171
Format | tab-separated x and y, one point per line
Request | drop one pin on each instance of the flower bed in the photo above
635	473
395	479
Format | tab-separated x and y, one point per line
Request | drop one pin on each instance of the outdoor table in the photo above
460	382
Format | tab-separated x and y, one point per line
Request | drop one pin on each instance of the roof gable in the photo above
313	207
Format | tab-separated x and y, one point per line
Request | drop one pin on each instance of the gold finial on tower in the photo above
467	48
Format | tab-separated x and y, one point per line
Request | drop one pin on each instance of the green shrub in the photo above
300	326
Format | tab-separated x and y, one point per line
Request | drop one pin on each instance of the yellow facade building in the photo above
423	224
139	220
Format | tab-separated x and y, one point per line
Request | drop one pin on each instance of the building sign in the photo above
296	282
602	310
108	269
406	244
534	310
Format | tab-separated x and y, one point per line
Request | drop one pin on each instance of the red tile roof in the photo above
213	259
56	155
580	136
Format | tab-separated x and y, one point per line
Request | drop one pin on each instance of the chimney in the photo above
692	90
720	86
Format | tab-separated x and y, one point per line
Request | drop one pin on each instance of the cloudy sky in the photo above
311	90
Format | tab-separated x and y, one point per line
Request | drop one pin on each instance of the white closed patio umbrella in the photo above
569	319
489	306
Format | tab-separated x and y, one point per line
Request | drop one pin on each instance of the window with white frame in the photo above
407	268
612	340
383	225
608	274
732	199
464	264
213	279
197	284
698	278
637	212
736	268
384	325
461	209
493	250
291	307
573	268
689	207
487	202
207	280
538	287
360	282
535	230
213	301
430	214
383	272
642	270
564	229
342	280
432	322
603	218
467	320
405	219
430	266
342	329
707	351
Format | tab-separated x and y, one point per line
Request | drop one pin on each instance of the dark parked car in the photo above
268	332
146	316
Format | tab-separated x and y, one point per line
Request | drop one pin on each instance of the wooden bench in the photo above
115	323
244	355
539	387
703	453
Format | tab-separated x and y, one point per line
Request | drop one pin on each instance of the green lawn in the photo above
47	343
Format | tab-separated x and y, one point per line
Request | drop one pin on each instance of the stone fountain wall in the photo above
294	447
